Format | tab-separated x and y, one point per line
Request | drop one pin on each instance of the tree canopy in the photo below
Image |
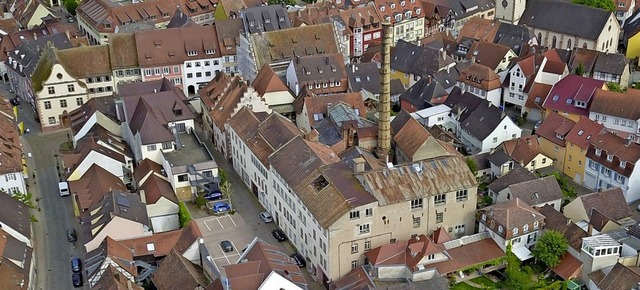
551	246
602	4
516	278
615	87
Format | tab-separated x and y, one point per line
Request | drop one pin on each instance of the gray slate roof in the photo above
483	120
15	215
115	203
366	76
498	158
513	36
28	53
462	103
565	17
422	92
265	18
407	57
517	175
613	63
537	191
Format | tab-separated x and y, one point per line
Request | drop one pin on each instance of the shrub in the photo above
184	216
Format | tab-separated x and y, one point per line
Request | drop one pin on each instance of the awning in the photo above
522	253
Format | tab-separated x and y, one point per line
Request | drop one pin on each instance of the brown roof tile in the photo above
176	272
319	104
569	267
555	125
232	7
479	29
596	276
145	168
190	234
583	133
11	151
162	244
420	179
621	149
213	91
321	69
111	279
537	95
228	32
79	116
523	149
554	220
609	202
226	105
156	187
469	255
170	46
121	48
620	277
75	61
357	279
625	105
411	137
267	81
488	53
94	186
413	6
513	213
517	175
283	45
480	76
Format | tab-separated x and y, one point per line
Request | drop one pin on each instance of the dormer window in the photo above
515	231
525	228
609	157
407	14
535	225
402	3
382	8
623	164
252	23
598	152
500	229
393	5
398	17
418	11
209	51
559	136
177	112
192	53
267	20
107	25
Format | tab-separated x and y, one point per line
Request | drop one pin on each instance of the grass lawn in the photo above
482	280
463	286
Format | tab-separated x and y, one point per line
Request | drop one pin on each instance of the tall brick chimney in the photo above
384	106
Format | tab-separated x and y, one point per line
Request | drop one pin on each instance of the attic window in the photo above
209	51
320	183
556	98
177	112
151	247
393	5
192	53
569	101
537	100
381	8
623	164
580	132
598	152
609	157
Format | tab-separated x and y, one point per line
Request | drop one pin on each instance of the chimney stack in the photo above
628	142
384	107
35	36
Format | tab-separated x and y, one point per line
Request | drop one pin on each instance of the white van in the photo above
63	187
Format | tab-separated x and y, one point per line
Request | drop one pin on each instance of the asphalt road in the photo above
54	214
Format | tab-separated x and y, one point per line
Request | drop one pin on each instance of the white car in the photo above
266	217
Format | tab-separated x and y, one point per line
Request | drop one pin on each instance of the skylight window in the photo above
556	98
580	132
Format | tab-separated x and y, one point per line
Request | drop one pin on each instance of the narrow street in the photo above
54	214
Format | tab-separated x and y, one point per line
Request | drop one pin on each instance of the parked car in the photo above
266	217
76	265
279	235
77	280
70	19
15	101
226	246
537	125
299	260
214	195
71	235
221	207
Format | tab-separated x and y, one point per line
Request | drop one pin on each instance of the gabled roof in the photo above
420	61
418	180
510	214
620	277
478	28
144	168
283	45
566	18
483	120
537	95
523	150
516	175
121	48
224	109
156	187
554	220
176	272
190	235
115	203
537	191
267	81
569	90
424	92
609	202
612	144
555	125
15	215
157	245
228	32
94	185
105	105
411	137
154	48
28	53
74	61
265	18
408	253
111	279
585	57
583	132
150	106
463	104
11	149
488	53
366	76
357	279
569	267
315	104
399	120
624	105
611	63
480	76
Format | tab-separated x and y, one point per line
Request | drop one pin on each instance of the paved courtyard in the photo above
232	228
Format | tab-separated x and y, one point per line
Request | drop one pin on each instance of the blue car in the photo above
214	195
221	207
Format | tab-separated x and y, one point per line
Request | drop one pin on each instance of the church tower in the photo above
510	11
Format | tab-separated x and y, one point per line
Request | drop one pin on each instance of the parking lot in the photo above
226	227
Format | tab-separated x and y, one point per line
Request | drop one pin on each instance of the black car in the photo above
279	235
226	246
76	265
214	195
71	235
15	101
299	260
77	280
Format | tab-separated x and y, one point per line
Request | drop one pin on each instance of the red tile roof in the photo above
523	149
569	267
469	255
537	95
408	252
625	105
622	151
583	133
572	88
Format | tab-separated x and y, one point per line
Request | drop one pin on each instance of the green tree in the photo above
285	2
184	216
226	189
71	6
551	246
473	165
516	278
602	4
223	176
579	70
615	87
